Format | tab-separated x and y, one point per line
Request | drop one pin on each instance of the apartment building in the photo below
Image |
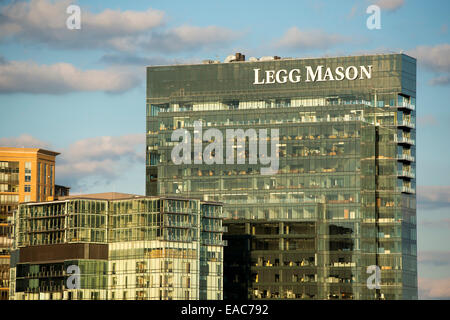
26	174
115	246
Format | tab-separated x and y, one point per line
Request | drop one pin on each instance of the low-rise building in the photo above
117	246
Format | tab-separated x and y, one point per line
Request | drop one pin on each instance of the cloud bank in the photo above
435	59
434	258
44	22
434	288
24	141
60	78
390	5
295	38
433	197
104	159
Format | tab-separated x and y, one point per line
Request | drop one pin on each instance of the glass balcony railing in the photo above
406	157
212	214
404	140
406	123
209	228
406	106
173	210
408	174
214	242
407	189
178	224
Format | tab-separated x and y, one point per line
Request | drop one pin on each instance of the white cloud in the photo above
99	148
438	223
390	5
141	61
295	38
202	35
440	81
434	288
104	158
59	78
115	22
435	258
188	38
44	22
433	197
436	59
24	141
427	120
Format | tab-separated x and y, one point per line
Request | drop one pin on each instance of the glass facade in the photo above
9	199
343	197
9	183
136	248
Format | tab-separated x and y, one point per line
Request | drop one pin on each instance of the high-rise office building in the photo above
323	207
115	246
26	174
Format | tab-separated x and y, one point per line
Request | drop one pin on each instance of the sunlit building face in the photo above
341	201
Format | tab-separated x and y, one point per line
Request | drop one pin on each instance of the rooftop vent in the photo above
210	61
240	57
235	57
269	58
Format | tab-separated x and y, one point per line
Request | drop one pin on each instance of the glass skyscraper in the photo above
337	218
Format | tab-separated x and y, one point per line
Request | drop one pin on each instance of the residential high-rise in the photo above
121	246
326	194
26	174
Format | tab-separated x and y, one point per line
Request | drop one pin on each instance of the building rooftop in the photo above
28	150
240	58
118	196
103	196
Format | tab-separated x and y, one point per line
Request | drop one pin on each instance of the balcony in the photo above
407	106
177	224
407	190
209	228
178	211
212	242
213	214
404	140
405	157
174	238
406	123
407	174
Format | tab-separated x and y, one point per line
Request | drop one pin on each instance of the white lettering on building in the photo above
317	74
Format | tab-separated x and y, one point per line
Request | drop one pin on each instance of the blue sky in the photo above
82	92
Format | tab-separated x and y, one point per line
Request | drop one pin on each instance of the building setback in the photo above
341	202
126	247
26	174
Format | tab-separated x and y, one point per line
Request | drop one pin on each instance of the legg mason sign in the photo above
320	73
